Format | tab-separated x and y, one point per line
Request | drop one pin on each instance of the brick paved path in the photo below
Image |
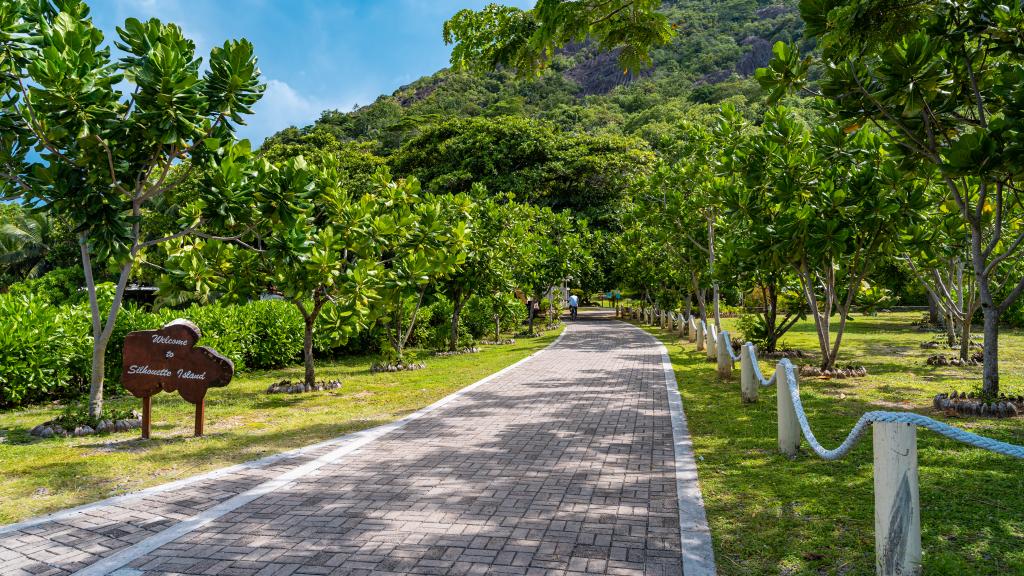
563	464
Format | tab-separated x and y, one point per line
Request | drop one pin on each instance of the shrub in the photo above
226	329
39	356
276	330
479	314
56	287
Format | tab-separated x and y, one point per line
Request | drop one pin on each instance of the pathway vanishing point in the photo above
574	461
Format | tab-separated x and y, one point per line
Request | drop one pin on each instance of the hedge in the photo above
45	350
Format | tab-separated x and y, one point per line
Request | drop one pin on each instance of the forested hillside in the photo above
718	46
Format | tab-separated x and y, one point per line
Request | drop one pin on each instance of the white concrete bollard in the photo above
897	502
700	335
691	330
789	426
712	342
724	359
748	382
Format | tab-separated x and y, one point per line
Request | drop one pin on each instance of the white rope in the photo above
946	430
728	345
757	367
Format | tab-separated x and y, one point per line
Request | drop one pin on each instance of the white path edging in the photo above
347	444
694	533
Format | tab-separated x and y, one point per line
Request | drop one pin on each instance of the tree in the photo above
589	175
492	257
943	79
429	241
25	238
526	40
555	249
109	132
938	260
753	256
837	203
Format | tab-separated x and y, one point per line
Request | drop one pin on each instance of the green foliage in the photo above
526	40
873	298
108	132
943	81
40	352
47	352
275	332
57	287
530	160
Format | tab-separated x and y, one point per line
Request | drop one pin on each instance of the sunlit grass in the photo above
242	423
771	515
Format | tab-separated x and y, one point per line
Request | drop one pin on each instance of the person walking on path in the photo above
574	306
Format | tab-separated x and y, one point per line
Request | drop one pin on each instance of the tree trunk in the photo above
965	338
990	314
101	331
457	304
307	352
99	350
990	378
933	309
714	285
497	328
770	316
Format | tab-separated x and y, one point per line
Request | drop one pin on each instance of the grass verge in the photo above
772	515
242	423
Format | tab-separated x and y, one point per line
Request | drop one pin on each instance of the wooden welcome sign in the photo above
168	359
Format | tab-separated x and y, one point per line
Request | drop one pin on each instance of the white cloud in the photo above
282	106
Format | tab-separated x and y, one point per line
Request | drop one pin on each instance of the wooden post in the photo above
147	416
200	416
789	426
897	503
700	335
748	383
711	345
724	359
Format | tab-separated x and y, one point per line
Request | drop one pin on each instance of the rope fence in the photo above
894	437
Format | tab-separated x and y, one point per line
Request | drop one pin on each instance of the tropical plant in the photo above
836	203
110	131
943	80
526	40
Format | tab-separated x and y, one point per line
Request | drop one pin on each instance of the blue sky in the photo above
314	54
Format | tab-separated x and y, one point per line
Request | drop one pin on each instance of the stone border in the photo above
346	445
694	533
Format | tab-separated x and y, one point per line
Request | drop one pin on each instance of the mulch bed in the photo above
289	387
402	367
970	404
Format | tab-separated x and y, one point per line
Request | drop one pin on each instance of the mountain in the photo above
718	46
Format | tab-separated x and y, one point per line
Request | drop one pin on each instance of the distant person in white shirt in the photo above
574	306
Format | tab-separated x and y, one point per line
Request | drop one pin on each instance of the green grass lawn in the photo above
771	515
242	423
